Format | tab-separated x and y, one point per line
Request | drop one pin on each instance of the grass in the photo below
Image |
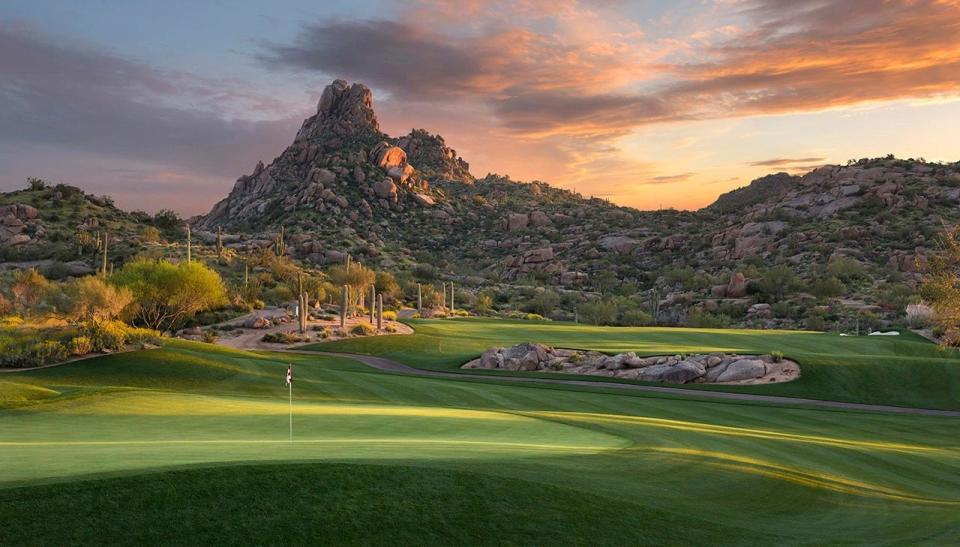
903	371
189	444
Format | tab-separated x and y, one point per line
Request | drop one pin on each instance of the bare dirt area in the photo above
248	331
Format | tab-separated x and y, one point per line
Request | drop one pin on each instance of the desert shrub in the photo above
281	294
56	270
483	304
706	320
597	312
141	337
846	269
816	322
895	296
151	234
828	287
543	303
362	329
209	336
81	345
635	318
390	328
92	300
166	295
777	356
919	315
390	315
534	317
281	338
107	336
48	351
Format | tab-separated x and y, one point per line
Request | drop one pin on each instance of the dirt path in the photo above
246	338
393	366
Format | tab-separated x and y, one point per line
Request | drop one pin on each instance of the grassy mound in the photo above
905	370
329	505
561	464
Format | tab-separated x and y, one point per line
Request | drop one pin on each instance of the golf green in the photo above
190	443
901	370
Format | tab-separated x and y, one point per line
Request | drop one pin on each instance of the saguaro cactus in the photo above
452	305
419	299
302	305
344	297
106	246
280	246
189	245
380	311
219	243
443	299
349	263
246	274
373	295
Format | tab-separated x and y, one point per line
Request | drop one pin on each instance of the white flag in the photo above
289	374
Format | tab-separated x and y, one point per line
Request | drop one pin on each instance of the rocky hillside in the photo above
852	236
343	186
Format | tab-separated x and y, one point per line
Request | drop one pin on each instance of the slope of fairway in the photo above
501	463
329	505
903	371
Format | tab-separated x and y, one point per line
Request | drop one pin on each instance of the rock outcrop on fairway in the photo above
715	368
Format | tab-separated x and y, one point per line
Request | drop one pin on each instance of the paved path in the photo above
393	366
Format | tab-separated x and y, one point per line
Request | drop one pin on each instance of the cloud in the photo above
60	96
779	162
667	179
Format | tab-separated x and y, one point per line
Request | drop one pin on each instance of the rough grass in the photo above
493	463
904	371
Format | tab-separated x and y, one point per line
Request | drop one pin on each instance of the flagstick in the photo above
290	384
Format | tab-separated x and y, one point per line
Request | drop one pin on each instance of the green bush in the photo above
47	352
390	315
777	356
81	345
707	320
635	318
108	336
362	329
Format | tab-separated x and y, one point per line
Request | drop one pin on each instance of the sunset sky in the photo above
649	104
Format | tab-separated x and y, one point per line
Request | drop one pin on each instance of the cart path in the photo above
389	365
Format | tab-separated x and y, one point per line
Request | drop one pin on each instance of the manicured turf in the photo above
382	458
903	371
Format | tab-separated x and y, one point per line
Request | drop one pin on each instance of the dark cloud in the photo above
59	95
403	58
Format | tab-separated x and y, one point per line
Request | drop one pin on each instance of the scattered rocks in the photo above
677	369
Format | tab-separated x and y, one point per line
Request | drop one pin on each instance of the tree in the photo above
776	281
92	300
544	302
605	280
29	288
166	295
483	304
597	312
828	288
941	287
387	286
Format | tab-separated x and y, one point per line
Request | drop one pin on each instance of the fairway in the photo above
204	429
904	370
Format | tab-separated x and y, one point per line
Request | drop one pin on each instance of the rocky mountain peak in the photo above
344	111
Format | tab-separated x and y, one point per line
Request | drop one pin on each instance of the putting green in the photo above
619	468
903	370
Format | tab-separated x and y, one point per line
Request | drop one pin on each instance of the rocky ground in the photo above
248	331
714	368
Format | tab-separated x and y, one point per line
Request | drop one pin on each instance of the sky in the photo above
650	104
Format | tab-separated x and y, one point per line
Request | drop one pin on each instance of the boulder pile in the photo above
719	368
